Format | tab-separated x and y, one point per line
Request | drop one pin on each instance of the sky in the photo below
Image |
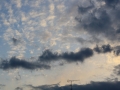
45	43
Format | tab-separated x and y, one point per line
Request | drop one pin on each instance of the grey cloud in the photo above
91	86
112	79
111	3
118	31
83	54
103	49
84	9
82	41
87	41
44	87
117	70
14	63
107	48
97	25
117	50
102	21
18	88
48	56
2	86
15	41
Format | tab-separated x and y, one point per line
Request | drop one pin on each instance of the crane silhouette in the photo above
71	82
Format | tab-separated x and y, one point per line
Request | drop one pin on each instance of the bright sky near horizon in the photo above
44	43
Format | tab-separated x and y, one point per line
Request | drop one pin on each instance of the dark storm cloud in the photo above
91	86
111	3
48	56
95	25
103	49
83	54
118	31
79	56
101	21
14	63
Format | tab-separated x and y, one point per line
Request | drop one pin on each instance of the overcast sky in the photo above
44	43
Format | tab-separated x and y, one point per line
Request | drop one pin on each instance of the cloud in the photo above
91	86
107	48
112	79
2	86
44	87
95	25
111	3
100	19
15	41
17	3
103	49
43	23
117	50
81	55
117	70
48	56
87	41
18	88
84	9
14	63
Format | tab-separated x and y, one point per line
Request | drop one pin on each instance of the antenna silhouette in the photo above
71	82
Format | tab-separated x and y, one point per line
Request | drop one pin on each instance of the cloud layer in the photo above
14	63
81	55
100	18
84	53
48	57
91	86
